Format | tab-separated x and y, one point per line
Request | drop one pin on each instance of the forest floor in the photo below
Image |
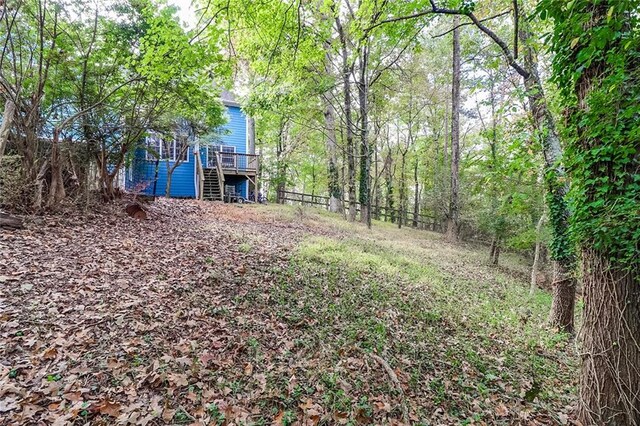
247	314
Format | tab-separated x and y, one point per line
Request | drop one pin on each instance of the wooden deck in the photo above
236	164
228	164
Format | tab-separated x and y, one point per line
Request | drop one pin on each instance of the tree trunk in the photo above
403	189
564	296
365	158
251	135
350	148
39	181
7	121
610	373
376	202
56	189
603	117
388	177
564	283
494	252
416	195
453	216
167	190
335	194
335	191
536	256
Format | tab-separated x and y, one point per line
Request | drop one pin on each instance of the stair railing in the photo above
220	174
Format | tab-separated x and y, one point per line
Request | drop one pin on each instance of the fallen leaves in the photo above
109	408
110	320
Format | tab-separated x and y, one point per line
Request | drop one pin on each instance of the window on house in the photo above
163	150
180	149
154	147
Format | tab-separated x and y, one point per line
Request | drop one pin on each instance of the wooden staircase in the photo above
212	186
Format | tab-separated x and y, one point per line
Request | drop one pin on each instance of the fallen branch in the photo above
186	413
10	222
394	378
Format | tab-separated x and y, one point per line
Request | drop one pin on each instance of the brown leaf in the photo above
340	417
383	406
206	357
73	396
277	420
109	408
179	380
50	353
248	369
502	410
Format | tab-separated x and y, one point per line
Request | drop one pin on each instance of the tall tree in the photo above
562	252
350	148
454	201
596	45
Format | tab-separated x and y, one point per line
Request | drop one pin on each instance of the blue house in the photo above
226	170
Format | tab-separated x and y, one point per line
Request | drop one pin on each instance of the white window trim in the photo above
161	146
175	152
148	155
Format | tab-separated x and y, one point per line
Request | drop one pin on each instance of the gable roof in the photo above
229	99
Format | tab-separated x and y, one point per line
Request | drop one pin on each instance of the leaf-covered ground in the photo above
225	314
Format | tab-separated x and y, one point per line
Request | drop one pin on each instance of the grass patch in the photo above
459	344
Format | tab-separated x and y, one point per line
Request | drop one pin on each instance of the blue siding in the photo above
141	173
237	125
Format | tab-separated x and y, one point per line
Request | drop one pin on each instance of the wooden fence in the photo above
422	221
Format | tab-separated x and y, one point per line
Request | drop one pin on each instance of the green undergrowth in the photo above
465	340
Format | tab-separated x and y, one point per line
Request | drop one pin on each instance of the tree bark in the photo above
564	283
610	372
200	174
610	334
350	147
403	190
536	256
56	189
453	216
335	194
167	190
494	252
388	177
365	158
416	195
7	121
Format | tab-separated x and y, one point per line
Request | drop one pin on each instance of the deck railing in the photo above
233	162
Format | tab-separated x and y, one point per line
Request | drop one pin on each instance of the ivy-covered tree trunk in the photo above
365	156
596	46
610	373
562	252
